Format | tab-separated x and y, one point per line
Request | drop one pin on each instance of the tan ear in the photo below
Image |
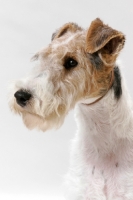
69	27
106	41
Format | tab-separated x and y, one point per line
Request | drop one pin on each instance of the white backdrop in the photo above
32	164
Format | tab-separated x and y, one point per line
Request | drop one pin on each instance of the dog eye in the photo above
70	63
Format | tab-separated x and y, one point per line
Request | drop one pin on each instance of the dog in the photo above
79	69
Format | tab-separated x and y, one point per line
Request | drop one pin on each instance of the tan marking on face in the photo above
84	81
67	28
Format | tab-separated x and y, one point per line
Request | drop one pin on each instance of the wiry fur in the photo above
102	151
101	166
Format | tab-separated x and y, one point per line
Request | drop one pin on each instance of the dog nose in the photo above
22	97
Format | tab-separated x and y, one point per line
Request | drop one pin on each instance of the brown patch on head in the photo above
94	82
69	27
106	41
103	45
101	82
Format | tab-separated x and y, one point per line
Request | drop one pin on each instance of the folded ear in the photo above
106	41
69	27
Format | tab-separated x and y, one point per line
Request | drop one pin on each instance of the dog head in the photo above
74	68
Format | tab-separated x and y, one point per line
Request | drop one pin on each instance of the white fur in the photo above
102	151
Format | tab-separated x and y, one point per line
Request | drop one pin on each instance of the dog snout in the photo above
22	97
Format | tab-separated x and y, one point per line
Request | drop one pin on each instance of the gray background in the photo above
32	164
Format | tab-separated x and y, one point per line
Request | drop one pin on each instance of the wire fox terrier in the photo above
78	69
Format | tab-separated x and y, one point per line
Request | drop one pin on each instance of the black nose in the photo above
22	97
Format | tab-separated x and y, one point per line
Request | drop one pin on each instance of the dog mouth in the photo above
27	102
24	102
37	107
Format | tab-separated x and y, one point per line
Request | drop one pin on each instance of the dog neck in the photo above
106	122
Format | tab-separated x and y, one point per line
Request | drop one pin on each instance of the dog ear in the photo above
69	27
106	41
